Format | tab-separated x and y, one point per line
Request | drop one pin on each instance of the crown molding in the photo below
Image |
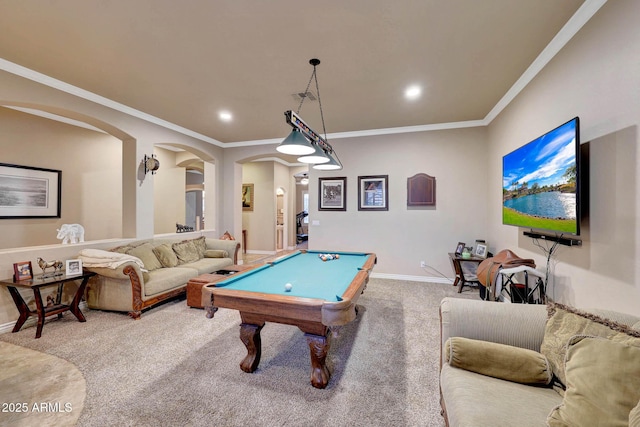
588	9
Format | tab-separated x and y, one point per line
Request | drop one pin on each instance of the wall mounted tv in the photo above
541	182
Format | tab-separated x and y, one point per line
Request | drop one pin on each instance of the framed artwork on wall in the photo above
421	190
332	194
373	193
247	197
29	192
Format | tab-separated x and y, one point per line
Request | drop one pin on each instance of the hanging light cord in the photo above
315	63
324	130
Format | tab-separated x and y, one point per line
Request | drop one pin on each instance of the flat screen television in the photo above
541	182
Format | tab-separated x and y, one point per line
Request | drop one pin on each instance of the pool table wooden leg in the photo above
250	336
318	348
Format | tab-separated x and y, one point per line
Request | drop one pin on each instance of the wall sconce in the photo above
151	164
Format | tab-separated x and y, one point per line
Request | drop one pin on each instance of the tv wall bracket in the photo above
567	241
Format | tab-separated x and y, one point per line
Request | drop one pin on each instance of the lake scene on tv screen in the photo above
539	182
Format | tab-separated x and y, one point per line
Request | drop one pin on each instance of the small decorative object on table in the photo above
74	267
481	250
55	264
22	271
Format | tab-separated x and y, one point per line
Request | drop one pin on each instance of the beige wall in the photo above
168	192
260	223
595	77
91	165
403	236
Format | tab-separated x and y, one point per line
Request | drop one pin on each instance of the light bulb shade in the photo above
332	164
295	144
318	156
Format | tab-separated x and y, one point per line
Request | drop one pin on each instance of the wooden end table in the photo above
43	311
195	285
460	277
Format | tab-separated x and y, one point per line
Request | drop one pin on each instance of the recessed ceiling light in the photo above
225	116
413	92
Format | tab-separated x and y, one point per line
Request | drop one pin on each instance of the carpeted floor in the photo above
38	389
175	367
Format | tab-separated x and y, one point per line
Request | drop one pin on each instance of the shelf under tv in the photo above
567	241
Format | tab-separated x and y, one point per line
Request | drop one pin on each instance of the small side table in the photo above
43	311
457	268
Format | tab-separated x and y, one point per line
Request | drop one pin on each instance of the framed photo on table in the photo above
460	248
373	193
73	267
481	250
29	192
332	194
22	271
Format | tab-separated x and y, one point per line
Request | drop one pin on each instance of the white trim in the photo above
55	117
443	280
261	252
25	72
575	23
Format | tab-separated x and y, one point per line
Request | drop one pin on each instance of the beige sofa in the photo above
167	266
496	359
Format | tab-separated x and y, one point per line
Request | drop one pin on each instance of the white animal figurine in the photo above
71	233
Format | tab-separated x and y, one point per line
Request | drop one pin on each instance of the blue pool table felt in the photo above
309	276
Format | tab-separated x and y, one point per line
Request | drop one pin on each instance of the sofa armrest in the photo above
119	272
231	246
131	272
520	325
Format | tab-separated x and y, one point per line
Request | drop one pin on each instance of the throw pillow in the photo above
603	383
146	255
216	253
226	236
634	416
166	255
186	251
565	322
498	360
201	246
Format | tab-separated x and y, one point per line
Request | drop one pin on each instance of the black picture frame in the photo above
332	194
29	192
460	248
373	193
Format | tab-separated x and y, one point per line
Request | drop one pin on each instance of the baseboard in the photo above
443	280
31	321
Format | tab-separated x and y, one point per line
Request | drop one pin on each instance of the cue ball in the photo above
288	287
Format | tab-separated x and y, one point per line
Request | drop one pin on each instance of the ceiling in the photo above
185	61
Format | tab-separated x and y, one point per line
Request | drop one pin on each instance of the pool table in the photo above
322	297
